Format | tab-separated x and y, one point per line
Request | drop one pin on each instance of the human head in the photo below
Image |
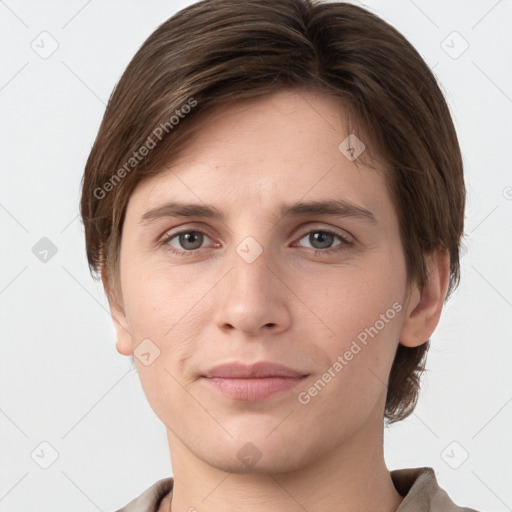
214	53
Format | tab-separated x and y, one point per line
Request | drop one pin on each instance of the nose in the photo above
253	298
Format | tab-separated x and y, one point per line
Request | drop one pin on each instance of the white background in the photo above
63	382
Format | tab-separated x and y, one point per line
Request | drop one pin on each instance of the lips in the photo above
261	369
257	381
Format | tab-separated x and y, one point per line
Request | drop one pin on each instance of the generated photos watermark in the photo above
156	136
304	397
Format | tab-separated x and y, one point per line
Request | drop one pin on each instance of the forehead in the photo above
289	143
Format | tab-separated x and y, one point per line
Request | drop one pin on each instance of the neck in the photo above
351	478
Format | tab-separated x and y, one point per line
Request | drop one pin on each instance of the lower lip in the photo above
251	389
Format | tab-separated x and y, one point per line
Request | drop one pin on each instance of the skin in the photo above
289	305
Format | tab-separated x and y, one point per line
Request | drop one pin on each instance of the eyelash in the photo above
345	244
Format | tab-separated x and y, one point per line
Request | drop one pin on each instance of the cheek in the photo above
350	299
162	308
365	336
159	300
363	311
172	309
356	364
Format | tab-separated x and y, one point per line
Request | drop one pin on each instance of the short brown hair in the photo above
214	52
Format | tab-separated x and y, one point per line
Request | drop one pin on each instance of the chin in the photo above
265	465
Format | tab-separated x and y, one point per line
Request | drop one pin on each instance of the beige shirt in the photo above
418	486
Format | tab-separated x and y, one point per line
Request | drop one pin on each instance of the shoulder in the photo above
150	499
422	493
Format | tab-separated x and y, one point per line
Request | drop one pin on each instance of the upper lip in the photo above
246	371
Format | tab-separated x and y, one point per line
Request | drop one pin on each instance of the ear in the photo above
123	338
424	306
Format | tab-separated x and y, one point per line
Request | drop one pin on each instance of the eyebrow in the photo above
332	207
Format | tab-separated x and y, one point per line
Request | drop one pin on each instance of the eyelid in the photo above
328	229
304	229
172	232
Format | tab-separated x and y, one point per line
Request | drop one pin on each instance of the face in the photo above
321	291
